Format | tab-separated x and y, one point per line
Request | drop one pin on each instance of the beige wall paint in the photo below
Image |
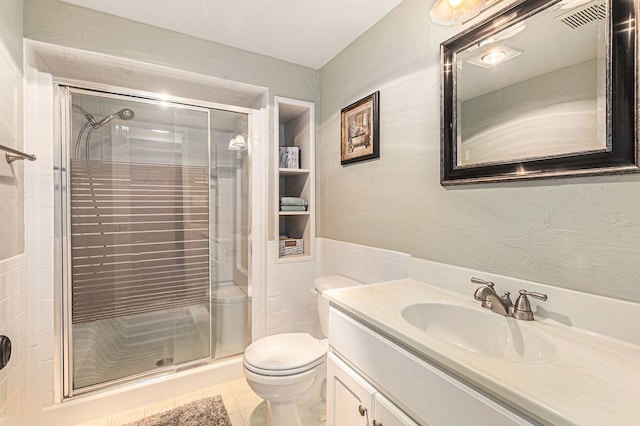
11	129
581	233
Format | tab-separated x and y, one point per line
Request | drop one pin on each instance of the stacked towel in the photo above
293	204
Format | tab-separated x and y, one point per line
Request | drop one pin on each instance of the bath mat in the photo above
204	412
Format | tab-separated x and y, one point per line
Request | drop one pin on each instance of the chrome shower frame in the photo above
63	147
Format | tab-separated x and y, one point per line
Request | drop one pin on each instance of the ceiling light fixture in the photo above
494	57
449	12
238	143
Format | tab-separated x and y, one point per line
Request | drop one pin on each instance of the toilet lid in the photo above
284	354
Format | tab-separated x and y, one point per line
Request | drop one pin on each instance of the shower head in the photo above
90	118
123	114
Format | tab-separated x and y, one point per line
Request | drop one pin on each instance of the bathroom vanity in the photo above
430	394
405	352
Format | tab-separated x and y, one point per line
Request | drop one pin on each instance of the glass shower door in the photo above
138	269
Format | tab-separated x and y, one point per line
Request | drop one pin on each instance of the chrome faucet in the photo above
502	304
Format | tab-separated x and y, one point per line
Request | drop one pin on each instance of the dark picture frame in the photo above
360	130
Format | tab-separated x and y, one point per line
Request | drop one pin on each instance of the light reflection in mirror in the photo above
535	89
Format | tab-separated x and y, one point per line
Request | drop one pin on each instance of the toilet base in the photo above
279	414
283	413
299	404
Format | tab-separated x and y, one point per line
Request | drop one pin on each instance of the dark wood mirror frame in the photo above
621	103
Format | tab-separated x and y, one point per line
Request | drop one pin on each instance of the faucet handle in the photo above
480	281
480	293
533	294
522	308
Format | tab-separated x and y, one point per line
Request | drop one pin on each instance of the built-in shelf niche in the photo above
295	126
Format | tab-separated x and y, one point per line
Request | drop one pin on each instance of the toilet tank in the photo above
329	282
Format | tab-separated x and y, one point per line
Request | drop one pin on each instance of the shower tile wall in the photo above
40	236
14	308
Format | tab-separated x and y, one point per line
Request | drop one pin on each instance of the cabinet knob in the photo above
376	423
362	410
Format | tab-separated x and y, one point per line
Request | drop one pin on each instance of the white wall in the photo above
361	263
14	295
11	133
14	319
40	238
579	233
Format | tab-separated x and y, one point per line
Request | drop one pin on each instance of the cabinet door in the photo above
349	398
387	414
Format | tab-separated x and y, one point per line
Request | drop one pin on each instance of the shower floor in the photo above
116	348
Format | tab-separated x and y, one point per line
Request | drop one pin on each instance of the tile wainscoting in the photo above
291	307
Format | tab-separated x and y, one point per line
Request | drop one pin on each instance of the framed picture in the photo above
359	130
289	157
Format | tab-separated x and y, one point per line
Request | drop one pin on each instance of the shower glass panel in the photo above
229	210
157	250
156	237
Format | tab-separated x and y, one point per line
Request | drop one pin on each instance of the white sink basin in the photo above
482	332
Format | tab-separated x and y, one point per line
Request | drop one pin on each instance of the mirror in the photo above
541	89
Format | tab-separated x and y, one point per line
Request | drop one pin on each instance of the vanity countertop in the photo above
591	380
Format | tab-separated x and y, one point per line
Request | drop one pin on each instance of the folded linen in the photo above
292	201
293	208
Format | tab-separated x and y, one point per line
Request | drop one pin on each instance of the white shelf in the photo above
294	213
293	171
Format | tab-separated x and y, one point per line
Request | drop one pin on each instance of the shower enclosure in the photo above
154	214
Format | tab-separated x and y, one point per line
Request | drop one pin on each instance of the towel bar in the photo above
13	155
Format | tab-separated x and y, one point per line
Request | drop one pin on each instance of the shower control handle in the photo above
5	351
362	410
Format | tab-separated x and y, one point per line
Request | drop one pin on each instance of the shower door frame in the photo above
63	358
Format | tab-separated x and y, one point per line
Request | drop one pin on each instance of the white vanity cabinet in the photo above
352	401
428	394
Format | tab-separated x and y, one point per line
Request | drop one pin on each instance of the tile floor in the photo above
245	408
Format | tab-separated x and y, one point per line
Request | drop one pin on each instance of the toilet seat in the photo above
284	354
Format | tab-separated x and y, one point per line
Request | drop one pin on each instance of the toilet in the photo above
289	370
